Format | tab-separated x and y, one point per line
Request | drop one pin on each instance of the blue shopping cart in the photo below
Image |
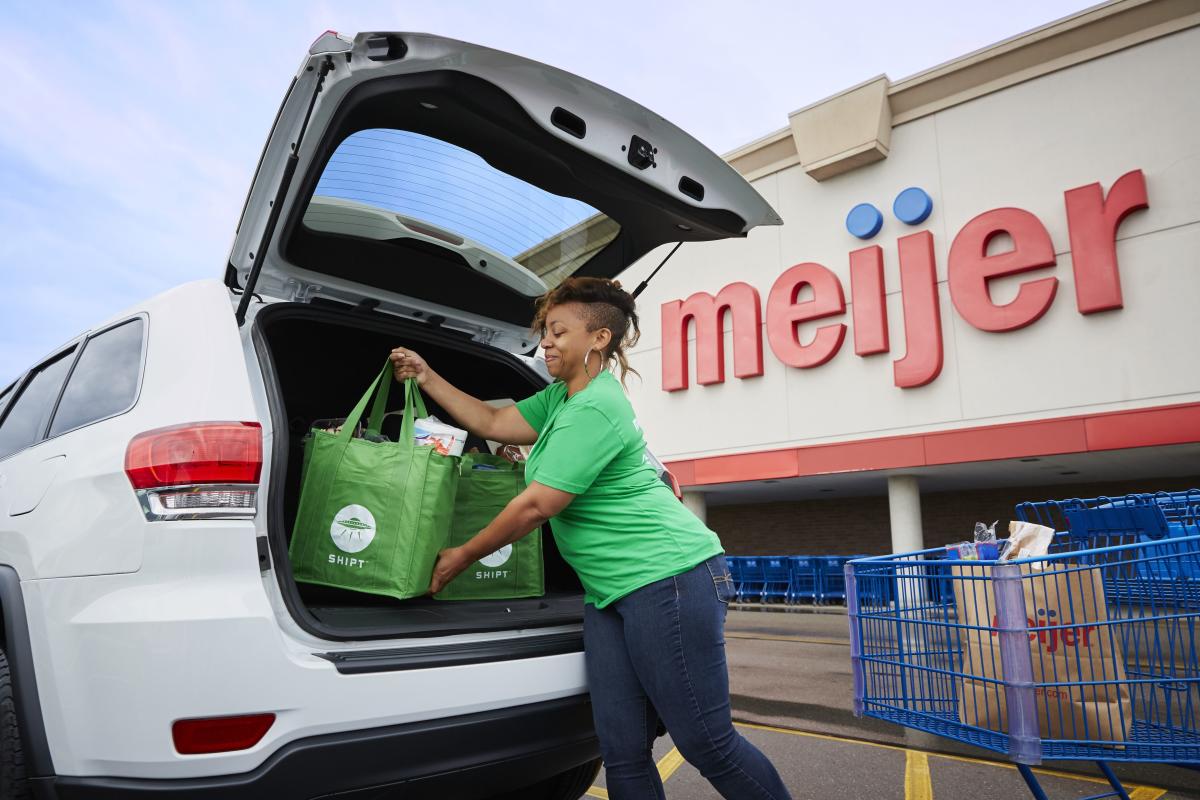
736	570
777	578
753	580
833	578
1159	515
805	579
1091	652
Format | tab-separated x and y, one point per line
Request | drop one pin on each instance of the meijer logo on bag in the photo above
353	529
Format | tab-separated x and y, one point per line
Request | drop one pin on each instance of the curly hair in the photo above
605	305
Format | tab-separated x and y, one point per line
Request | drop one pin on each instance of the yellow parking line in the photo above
669	763
1147	792
666	768
1050	773
917	785
778	637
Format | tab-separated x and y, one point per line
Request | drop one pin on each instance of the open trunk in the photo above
317	359
422	191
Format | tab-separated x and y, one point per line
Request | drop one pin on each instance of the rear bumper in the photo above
467	757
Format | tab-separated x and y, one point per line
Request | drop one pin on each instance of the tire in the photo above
569	785
12	758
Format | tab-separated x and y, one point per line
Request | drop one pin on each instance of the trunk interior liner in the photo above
329	357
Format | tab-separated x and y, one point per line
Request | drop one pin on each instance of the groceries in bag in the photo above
446	439
335	425
486	484
962	551
429	431
983	548
515	453
373	514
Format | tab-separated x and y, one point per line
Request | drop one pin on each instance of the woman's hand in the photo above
450	562
407	364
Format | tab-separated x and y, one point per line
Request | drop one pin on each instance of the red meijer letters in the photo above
1092	222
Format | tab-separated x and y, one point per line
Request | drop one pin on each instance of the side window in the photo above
31	409
105	381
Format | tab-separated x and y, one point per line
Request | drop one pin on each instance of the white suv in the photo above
414	190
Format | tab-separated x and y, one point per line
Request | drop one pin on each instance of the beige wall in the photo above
1024	146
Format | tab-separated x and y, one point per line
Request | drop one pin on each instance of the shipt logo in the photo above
498	558
494	561
353	529
1093	218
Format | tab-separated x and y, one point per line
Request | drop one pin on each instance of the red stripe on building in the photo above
1143	427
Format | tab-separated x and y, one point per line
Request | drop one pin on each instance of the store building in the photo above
986	290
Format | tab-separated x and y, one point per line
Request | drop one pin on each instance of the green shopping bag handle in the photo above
413	405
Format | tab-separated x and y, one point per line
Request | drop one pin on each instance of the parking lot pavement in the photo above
832	768
790	686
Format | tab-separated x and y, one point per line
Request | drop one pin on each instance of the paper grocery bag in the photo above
1085	651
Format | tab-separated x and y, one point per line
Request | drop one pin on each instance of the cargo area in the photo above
317	360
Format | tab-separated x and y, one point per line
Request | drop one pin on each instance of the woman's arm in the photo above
525	512
505	425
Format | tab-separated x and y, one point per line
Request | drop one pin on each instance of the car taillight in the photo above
205	470
220	734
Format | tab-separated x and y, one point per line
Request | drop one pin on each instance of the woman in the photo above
656	588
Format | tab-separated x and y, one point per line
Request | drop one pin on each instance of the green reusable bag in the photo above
373	515
514	570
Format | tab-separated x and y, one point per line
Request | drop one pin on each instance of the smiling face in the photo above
567	340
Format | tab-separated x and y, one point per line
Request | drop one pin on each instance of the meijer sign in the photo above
1092	220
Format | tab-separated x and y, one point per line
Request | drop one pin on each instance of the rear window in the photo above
105	381
31	410
387	184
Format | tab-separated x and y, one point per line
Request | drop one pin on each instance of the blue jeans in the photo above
660	652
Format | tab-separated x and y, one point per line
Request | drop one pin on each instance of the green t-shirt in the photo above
625	528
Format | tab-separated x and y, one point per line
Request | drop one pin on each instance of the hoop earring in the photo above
587	357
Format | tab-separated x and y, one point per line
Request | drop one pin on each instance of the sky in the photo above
131	130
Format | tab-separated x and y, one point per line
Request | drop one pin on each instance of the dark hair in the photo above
605	305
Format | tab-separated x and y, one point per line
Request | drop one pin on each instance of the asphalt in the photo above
791	690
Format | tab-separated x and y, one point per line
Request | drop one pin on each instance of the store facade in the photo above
986	289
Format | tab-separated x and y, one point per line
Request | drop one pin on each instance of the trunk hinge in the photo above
301	292
289	170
